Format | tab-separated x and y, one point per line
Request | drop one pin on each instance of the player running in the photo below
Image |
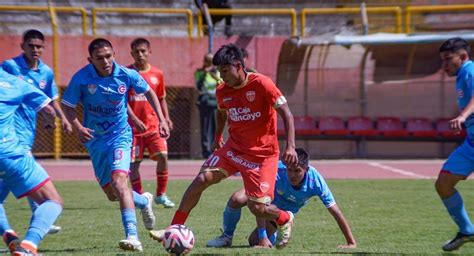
248	102
101	87
19	170
293	188
145	123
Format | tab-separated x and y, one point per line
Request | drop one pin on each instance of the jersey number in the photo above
212	160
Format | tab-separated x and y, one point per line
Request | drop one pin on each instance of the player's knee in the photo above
257	209
443	187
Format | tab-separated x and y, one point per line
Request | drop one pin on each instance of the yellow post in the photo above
58	129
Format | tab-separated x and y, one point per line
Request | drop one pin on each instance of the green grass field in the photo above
386	216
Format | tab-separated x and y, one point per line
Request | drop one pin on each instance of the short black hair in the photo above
99	43
245	53
303	160
455	44
228	54
138	41
32	34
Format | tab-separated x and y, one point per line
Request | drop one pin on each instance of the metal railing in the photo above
289	11
395	10
187	12
433	8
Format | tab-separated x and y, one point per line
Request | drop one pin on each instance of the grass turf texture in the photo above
386	216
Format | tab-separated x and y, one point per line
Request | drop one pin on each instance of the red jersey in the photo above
251	115
139	103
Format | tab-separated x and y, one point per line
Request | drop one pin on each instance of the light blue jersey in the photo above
290	199
43	79
104	101
13	93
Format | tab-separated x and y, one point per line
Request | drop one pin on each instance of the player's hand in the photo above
141	127
170	124
264	243
164	130
289	157
347	246
85	134
456	123
67	127
218	143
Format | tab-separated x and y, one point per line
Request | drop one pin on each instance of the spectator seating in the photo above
391	127
361	126
444	130
332	125
421	127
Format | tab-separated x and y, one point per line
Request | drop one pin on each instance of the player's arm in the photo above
48	115
141	127
163	125
85	134
221	119
344	226
461	118
67	127
289	156
164	108
263	241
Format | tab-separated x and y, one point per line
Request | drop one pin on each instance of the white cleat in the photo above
54	229
284	233
157	235
220	241
131	244
147	213
164	200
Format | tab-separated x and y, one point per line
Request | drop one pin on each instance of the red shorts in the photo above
153	143
258	173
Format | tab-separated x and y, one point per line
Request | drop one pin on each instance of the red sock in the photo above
161	182
283	218
179	217
137	186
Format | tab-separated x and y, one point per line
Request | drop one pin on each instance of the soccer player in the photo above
145	123
293	188
101	87
20	172
248	102
455	59
29	67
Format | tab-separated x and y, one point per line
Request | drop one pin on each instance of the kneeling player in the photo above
293	188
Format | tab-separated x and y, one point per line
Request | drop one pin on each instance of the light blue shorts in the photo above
461	160
22	175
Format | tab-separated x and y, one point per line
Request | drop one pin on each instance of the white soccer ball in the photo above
178	239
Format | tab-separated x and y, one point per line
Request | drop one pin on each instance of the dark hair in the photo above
99	43
228	54
303	160
138	41
455	44
245	53
32	34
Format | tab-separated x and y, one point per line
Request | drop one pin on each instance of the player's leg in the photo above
34	205
158	149
271	230
457	167
9	235
137	157
231	217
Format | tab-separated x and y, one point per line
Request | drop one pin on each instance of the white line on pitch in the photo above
399	171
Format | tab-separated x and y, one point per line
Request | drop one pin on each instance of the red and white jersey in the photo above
251	115
139	103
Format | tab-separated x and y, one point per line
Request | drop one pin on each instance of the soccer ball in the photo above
178	239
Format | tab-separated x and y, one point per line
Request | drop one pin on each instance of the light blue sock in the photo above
139	200
455	207
231	218
33	205
4	225
129	221
43	217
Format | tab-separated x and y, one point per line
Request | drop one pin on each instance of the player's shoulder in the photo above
260	80
10	64
155	70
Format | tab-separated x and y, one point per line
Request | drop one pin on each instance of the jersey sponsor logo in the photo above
243	114
264	186
103	110
154	80
250	95
245	163
137	97
92	88
42	84
122	89
279	192
460	93
105	125
227	99
5	85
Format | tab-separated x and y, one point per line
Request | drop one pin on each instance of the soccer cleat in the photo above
157	234
284	233
164	200
11	240
131	244
54	229
457	242
220	241
147	213
22	251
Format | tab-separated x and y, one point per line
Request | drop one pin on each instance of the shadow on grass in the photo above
68	250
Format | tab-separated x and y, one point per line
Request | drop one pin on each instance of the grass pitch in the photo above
386	216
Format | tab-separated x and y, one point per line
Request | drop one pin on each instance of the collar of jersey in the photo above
464	67
96	75
21	60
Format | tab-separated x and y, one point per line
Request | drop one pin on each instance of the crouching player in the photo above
293	188
19	170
